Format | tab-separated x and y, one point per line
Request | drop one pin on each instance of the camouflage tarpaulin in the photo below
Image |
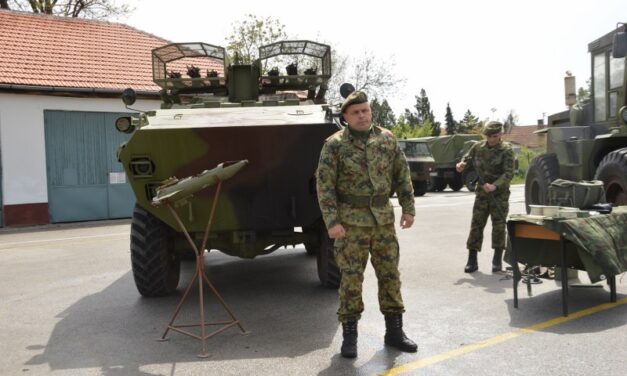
596	244
446	149
603	239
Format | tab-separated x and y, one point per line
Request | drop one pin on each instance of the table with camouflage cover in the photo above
596	244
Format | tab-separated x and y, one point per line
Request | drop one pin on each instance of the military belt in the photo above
363	201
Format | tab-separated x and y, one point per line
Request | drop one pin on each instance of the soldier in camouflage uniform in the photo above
494	162
358	167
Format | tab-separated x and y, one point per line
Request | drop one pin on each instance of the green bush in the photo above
524	157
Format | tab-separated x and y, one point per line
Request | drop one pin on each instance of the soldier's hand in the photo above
460	166
487	187
337	232
407	220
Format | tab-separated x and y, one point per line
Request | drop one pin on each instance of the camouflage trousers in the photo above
351	253
484	207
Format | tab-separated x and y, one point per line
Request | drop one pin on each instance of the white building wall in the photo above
22	140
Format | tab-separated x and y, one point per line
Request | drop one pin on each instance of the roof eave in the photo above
73	91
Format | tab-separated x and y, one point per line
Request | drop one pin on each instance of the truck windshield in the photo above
415	149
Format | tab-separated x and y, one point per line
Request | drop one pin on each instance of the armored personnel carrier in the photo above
220	112
588	141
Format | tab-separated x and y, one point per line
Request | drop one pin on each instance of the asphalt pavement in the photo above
68	306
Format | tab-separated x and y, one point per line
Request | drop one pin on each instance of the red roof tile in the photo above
523	135
43	50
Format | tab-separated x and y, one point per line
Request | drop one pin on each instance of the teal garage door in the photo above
85	180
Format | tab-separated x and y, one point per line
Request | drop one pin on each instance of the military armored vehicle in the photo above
588	141
420	162
234	112
447	151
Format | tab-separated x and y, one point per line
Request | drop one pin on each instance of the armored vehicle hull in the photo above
237	114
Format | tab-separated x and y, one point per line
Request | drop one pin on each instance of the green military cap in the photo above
492	127
356	97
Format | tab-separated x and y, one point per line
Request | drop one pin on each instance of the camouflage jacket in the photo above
494	164
348	166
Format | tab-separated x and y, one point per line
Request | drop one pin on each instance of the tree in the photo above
402	129
451	124
425	114
382	114
510	121
583	94
469	124
411	119
94	9
250	34
369	73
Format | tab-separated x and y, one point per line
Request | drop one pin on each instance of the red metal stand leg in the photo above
201	276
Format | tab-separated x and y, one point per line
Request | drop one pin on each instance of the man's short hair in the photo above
492	127
356	97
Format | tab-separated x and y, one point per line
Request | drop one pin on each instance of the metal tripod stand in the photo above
201	277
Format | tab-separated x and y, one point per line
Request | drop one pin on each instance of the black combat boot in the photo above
471	265
394	335
497	264
349	344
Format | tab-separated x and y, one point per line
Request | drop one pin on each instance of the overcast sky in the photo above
478	55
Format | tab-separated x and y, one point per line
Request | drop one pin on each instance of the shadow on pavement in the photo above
277	298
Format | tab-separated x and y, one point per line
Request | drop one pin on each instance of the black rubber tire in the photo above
613	172
155	263
470	179
543	169
313	231
420	188
457	183
438	184
328	272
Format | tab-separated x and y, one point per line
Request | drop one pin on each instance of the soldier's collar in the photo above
360	135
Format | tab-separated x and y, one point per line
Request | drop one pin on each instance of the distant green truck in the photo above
446	152
420	162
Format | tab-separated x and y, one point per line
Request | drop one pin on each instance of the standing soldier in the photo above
358	167
494	162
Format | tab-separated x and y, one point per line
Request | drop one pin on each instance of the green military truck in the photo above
446	152
420	162
278	123
588	141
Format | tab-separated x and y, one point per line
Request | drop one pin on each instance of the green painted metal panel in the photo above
85	181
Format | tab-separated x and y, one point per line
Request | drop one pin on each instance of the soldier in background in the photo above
358	167
494	162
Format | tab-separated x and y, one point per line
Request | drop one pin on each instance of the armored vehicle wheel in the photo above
613	172
312	246
457	183
420	188
470	179
155	263
542	171
328	272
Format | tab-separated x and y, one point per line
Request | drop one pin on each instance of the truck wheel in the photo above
328	272
470	179
542	171
155	263
438	184
613	172
457	182
420	188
